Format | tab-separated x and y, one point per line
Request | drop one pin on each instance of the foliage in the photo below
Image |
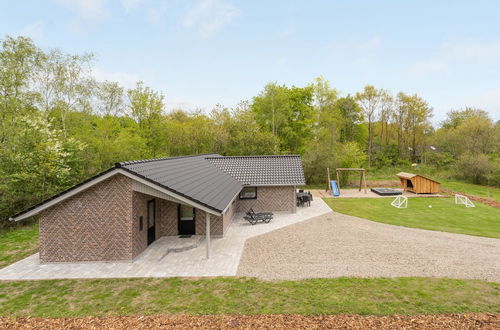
287	113
474	167
58	126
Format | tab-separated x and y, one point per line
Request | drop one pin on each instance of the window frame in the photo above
255	197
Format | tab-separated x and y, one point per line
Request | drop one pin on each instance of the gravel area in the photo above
335	245
288	321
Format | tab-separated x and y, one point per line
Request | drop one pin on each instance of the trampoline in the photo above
386	191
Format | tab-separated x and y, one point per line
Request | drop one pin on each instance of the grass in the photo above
473	189
143	296
444	215
18	243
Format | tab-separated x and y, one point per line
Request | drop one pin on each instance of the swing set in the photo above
330	183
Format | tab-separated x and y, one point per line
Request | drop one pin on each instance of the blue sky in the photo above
203	52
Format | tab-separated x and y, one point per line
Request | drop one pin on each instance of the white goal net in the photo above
401	202
461	199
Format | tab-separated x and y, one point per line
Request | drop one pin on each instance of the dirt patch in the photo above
440	321
482	200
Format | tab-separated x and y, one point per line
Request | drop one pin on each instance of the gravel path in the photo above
334	245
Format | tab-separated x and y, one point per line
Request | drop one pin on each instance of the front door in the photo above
151	221
186	220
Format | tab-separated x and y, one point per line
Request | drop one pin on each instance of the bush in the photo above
387	156
352	156
476	168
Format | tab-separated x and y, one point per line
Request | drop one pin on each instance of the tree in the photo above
65	84
19	59
287	113
351	117
110	97
43	163
370	101
457	117
146	107
468	132
351	156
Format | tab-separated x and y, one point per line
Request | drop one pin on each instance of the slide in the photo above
335	188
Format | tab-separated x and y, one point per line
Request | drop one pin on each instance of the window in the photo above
248	193
186	213
141	223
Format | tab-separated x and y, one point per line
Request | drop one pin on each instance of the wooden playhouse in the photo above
418	184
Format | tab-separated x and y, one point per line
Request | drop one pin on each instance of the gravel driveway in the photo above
334	245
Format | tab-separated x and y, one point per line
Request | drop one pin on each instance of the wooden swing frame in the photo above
362	177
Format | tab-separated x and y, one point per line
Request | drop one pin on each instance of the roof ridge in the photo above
254	156
130	162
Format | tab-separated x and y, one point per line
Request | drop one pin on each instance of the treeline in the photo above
59	125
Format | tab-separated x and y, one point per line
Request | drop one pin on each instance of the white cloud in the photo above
287	30
35	31
432	66
209	16
87	9
125	79
131	5
371	44
475	50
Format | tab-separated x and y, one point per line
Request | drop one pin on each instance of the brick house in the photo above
116	214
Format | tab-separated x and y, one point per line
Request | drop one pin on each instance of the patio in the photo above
169	256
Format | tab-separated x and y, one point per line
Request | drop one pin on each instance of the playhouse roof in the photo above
410	176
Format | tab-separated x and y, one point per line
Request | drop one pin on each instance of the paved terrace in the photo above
169	256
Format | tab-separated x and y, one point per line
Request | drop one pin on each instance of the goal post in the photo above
400	202
464	200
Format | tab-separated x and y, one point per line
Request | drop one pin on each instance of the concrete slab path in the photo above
156	262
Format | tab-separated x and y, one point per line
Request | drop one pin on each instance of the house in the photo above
418	184
116	214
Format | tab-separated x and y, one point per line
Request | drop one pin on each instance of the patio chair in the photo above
265	214
253	218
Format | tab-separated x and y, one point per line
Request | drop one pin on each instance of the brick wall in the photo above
269	199
101	223
140	209
93	225
167	218
227	218
216	224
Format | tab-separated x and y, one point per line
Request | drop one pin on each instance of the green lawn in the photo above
444	215
18	243
381	296
473	189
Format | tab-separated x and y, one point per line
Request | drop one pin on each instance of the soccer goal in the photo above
401	202
461	199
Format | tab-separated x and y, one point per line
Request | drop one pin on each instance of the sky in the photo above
203	52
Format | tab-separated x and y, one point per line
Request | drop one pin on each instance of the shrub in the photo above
476	168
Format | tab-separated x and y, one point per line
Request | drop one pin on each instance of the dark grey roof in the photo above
192	177
262	170
210	180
